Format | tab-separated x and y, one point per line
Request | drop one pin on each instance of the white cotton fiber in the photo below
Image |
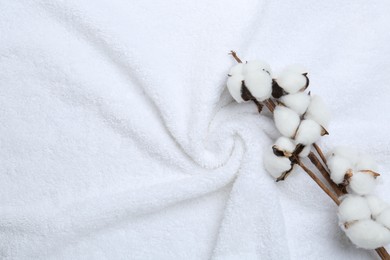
368	234
256	66
365	162
308	132
259	83
298	102
338	167
384	218
275	165
237	69
305	152
286	121
353	208
318	111
234	84
377	206
362	183
285	144
365	220
292	82
343	159
347	152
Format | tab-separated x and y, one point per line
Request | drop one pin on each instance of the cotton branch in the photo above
280	89
234	54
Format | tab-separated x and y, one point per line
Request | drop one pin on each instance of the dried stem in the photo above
316	162
234	54
270	104
320	153
383	253
320	183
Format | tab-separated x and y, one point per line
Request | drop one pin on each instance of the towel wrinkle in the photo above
114	55
119	139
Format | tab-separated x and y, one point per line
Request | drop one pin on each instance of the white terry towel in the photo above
118	139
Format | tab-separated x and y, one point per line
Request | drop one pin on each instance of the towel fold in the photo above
118	139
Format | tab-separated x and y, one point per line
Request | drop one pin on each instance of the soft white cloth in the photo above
118	139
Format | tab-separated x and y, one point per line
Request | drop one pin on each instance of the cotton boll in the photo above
368	234
256	66
384	218
353	208
285	144
377	206
318	111
308	132
234	84
292	82
366	162
298	102
237	69
259	84
286	121
346	152
356	213
338	167
275	165
362	183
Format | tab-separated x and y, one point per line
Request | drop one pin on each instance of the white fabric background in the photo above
118	139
